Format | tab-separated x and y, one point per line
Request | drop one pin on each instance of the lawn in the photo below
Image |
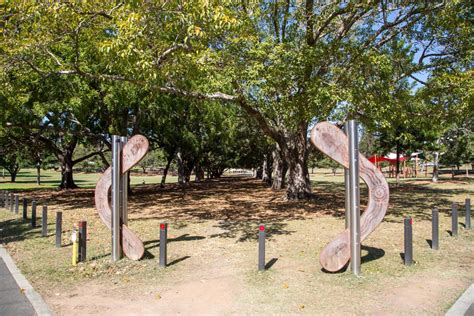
50	179
212	251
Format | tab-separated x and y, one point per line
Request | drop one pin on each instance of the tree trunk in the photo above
199	173
67	164
280	168
267	169
165	171
299	184
435	167
181	173
259	173
38	174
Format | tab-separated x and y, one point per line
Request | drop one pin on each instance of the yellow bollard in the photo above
75	247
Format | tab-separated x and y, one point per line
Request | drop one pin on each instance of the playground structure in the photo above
334	143
125	154
325	136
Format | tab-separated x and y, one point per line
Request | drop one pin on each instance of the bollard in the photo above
408	254
75	247
82	241
468	213
59	228
261	248
12	202
454	220
435	229
17	200
33	214
25	207
163	244
44	221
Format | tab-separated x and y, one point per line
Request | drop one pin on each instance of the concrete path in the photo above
464	306
17	296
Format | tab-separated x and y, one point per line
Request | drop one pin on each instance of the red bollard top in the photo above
162	226
261	228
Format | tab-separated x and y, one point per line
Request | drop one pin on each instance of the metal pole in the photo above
59	228
435	229
347	188
468	213
44	221
124	189
116	249
33	214
408	252
25	209
454	220
163	244
261	247
82	241
17	200
354	196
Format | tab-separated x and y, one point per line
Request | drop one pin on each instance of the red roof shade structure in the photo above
376	158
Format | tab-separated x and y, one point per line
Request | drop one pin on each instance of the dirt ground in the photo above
212	253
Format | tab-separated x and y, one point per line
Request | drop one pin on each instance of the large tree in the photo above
286	63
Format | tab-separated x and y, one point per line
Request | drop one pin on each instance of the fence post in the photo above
261	247
59	228
454	219
44	221
468	213
435	229
25	209
33	214
163	244
82	241
12	202
408	254
17	198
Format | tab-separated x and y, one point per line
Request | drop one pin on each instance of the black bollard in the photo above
468	213
44	221
163	244
408	255
59	228
435	229
17	200
261	248
25	209
82	241
33	214
454	220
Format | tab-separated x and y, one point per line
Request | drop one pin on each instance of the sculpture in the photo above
132	152
334	143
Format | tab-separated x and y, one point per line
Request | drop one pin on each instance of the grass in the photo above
212	251
50	179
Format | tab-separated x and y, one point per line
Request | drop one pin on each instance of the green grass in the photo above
50	179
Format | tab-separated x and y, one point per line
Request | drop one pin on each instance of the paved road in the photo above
12	300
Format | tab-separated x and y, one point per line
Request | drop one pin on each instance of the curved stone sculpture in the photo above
133	151
334	143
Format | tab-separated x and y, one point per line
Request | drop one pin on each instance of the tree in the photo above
286	63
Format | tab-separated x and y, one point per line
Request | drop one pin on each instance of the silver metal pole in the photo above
354	196
124	189
347	188
116	149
